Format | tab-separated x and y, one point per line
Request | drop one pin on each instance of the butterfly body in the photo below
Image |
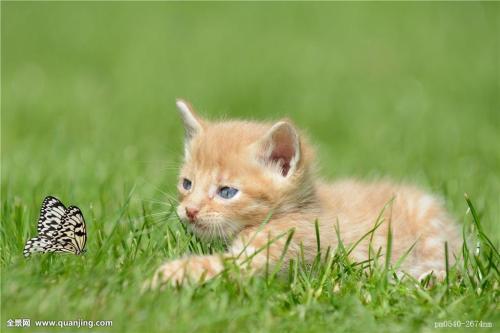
60	229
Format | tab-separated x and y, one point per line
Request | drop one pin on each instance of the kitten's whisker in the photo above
232	229
158	213
169	168
171	197
223	235
159	190
168	195
219	231
213	232
158	202
153	216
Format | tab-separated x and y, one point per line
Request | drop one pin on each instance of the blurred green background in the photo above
408	91
405	90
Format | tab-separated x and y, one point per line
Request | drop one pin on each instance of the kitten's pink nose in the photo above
191	213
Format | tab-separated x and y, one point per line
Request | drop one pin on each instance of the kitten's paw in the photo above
172	272
196	269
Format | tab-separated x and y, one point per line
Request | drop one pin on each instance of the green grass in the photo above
403	90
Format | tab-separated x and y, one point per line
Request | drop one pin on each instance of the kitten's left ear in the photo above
193	125
280	148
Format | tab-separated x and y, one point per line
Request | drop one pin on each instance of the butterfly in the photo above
60	229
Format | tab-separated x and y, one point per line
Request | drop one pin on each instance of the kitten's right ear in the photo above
193	125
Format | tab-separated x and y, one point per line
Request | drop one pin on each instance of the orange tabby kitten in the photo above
237	174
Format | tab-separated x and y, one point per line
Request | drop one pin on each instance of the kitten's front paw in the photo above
172	273
196	269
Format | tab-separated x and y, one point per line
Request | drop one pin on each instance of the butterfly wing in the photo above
73	234
51	214
42	244
60	229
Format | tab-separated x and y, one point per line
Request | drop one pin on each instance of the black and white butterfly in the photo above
60	229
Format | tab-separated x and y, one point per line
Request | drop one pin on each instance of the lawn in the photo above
408	91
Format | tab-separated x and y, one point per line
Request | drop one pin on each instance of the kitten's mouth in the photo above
205	231
201	230
196	225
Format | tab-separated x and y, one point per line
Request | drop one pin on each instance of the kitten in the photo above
237	174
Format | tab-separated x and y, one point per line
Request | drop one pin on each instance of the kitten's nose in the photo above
191	213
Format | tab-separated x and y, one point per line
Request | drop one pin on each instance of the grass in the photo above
407	91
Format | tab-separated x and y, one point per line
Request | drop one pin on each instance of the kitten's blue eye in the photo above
227	192
186	183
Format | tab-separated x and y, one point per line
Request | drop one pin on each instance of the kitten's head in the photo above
236	173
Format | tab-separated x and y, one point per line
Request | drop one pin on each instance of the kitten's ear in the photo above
193	125
280	148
